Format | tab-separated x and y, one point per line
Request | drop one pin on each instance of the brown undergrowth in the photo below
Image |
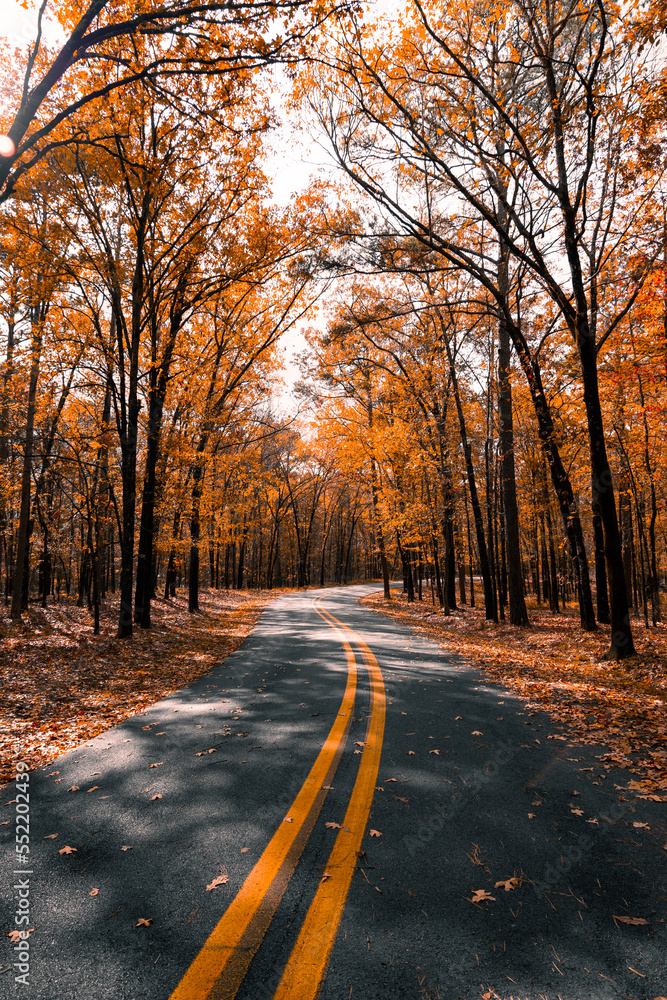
556	667
62	685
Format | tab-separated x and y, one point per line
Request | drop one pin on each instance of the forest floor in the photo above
555	667
61	685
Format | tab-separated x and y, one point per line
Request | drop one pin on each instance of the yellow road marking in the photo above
219	968
310	956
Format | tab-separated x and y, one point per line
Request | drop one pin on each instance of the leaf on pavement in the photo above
479	894
359	743
387	780
288	819
476	732
435	751
244	849
532	815
357	751
74	788
154	797
50	836
200	754
332	826
457	717
67	850
379	788
144	922
93	892
577	812
220	880
641	826
15	936
411	753
375	833
126	847
325	877
635	921
156	765
507	884
94	788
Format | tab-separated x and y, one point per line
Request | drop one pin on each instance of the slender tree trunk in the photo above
511	533
22	542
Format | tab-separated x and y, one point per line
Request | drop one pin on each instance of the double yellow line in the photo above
218	970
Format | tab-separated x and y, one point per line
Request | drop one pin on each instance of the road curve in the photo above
376	821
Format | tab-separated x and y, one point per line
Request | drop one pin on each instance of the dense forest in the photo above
481	276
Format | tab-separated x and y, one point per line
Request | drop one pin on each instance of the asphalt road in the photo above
244	769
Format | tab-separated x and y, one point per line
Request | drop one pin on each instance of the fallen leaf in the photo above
220	880
411	753
480	894
532	815
325	877
359	743
594	820
387	780
50	836
332	826
144	922
357	751
577	812
94	788
244	849
641	826
507	884
379	788
74	788
476	732
288	819
375	833
635	921
457	717
156	765
435	751
16	936
93	892
126	847
67	850
154	797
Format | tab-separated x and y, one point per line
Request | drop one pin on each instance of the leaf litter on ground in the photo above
62	685
556	667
